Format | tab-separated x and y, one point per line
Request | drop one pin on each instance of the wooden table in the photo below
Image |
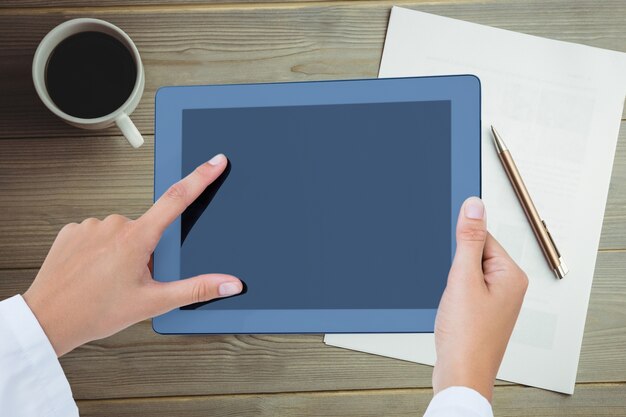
52	174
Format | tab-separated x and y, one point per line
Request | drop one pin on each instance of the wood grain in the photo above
43	6
47	183
291	42
589	400
139	363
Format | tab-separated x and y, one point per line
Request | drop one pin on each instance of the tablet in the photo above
338	206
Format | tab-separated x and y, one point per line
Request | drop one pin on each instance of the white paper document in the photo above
558	107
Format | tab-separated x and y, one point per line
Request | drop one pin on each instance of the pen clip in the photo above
545	226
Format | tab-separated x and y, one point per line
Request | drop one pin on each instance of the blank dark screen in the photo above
323	207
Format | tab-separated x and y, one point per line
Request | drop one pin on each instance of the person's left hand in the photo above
96	280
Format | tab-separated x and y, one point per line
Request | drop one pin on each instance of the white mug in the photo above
119	116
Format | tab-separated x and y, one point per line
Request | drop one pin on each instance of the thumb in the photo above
471	233
175	294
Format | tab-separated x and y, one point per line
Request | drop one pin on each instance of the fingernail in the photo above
217	159
474	208
229	288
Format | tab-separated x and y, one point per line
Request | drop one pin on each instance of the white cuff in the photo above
459	402
32	382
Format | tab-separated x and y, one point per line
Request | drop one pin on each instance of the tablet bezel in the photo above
463	91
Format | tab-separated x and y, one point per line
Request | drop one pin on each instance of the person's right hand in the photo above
479	307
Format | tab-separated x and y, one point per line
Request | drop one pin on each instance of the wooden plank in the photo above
605	329
589	400
39	6
43	6
264	43
139	363
47	183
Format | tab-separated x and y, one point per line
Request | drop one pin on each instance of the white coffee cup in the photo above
119	116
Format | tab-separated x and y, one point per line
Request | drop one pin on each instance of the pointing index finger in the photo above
180	195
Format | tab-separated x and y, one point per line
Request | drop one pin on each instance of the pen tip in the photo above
497	140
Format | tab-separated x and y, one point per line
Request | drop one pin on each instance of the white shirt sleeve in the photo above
32	383
459	402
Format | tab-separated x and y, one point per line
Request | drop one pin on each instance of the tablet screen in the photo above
323	206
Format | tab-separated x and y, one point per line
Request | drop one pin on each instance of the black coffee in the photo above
90	74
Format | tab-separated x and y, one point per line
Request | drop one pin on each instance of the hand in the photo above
96	281
478	308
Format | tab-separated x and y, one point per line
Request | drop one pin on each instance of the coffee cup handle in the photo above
129	130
